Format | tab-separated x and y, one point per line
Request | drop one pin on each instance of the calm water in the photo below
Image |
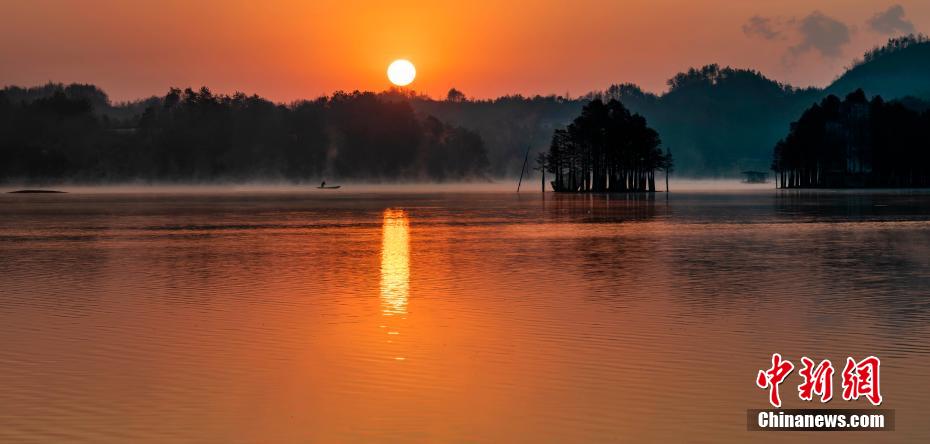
450	317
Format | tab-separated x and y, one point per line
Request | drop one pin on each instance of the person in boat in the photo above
323	185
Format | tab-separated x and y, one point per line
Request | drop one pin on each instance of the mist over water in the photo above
530	184
424	313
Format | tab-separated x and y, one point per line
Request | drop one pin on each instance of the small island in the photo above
606	149
855	143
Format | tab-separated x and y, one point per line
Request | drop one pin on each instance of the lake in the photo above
294	316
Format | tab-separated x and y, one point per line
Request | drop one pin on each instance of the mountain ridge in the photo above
717	120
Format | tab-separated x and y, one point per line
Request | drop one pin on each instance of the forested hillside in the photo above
717	120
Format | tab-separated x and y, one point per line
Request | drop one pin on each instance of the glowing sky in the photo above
290	49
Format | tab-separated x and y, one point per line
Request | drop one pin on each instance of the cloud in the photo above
764	27
891	21
821	33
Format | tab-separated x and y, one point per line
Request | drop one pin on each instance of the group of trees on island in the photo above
57	132
856	142
605	149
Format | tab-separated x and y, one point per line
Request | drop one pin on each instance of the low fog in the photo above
530	186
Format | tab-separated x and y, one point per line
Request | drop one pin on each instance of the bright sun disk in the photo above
401	72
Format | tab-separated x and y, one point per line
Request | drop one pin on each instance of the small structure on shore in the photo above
755	176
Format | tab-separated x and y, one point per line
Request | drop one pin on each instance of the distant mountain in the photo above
508	125
717	121
900	68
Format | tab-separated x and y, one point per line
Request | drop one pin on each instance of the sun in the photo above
401	72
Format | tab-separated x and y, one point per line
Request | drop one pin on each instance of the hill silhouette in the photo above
720	121
898	69
717	120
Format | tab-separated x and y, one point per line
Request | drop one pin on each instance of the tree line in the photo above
720	120
856	142
58	132
894	45
606	149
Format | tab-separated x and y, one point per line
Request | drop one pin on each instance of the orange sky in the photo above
290	49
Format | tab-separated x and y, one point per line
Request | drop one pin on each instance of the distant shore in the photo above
530	187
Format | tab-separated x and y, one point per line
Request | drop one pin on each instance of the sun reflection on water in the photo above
395	262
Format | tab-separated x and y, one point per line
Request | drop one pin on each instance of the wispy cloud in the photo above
815	32
891	21
765	27
822	34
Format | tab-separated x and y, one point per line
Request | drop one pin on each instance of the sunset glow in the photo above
575	221
290	50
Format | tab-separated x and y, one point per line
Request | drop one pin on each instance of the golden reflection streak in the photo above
395	262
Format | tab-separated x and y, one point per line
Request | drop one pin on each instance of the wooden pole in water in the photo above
525	157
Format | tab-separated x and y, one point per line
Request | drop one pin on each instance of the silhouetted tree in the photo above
855	143
668	165
605	149
455	95
541	167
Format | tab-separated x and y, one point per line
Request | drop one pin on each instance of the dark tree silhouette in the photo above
541	166
855	143
57	133
893	45
606	149
668	165
455	95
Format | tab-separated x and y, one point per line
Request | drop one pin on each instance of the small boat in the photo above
36	192
324	187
